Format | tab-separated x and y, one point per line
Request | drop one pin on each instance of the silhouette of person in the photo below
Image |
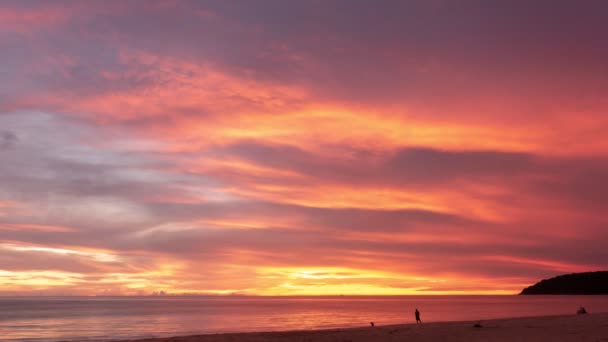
581	311
417	314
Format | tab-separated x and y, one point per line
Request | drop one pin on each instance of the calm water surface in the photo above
113	318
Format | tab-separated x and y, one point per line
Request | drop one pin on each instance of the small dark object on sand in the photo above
372	324
581	311
477	325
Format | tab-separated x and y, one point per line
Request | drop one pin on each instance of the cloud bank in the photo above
323	147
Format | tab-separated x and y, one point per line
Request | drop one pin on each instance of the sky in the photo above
301	147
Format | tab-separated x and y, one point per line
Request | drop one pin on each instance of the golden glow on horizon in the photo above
280	281
347	281
10	280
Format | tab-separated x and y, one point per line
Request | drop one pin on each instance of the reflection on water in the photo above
110	318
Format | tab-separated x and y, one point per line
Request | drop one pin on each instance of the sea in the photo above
94	319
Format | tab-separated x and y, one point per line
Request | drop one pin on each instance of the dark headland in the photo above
588	283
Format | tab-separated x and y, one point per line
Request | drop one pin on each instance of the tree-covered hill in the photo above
588	283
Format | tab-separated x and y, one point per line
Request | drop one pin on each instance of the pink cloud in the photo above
346	149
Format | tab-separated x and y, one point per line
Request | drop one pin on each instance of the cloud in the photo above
316	147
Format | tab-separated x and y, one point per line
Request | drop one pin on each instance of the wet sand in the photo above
590	327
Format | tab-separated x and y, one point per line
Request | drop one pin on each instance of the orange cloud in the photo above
34	227
194	105
295	159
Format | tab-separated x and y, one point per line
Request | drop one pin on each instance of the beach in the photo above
55	319
590	327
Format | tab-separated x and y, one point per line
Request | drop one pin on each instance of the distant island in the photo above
588	283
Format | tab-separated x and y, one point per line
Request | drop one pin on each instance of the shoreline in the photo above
572	327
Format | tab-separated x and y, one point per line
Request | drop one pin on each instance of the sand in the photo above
590	327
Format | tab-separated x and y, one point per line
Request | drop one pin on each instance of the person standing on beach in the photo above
417	314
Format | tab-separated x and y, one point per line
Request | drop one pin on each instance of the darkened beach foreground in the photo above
590	327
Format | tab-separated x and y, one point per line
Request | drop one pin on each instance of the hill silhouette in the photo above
588	283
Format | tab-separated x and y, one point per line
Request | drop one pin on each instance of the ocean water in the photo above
114	318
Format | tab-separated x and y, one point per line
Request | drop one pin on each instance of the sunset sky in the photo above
301	147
